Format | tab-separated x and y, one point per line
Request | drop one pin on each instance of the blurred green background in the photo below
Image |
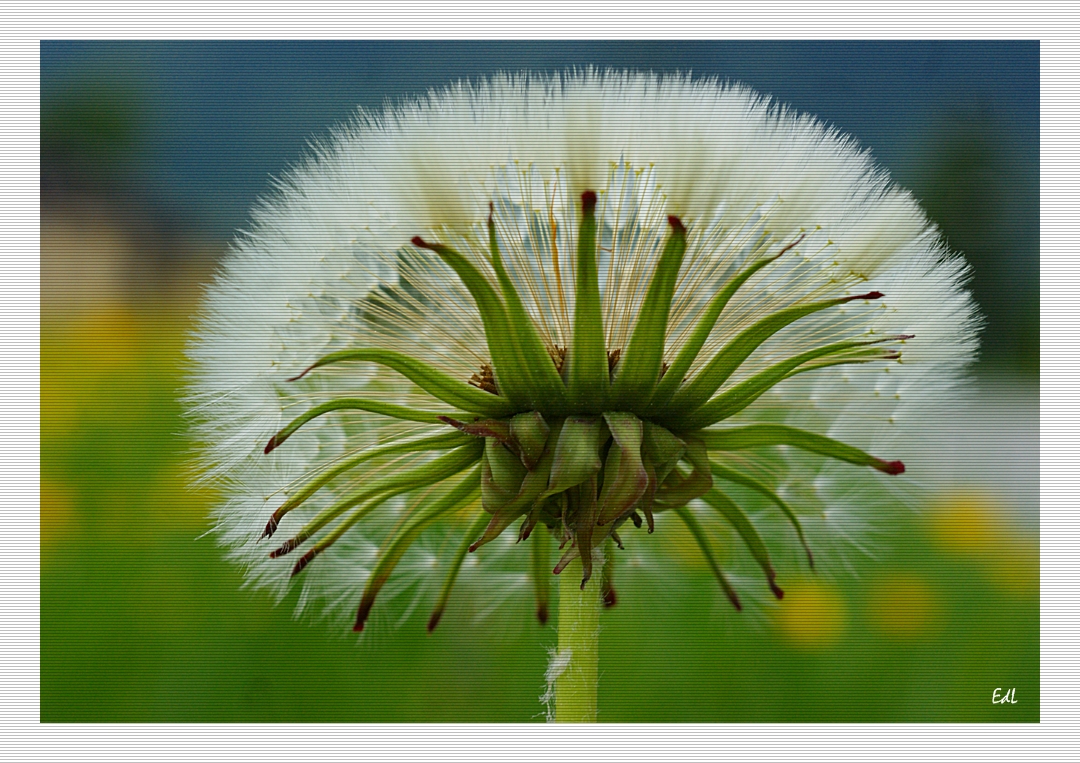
151	154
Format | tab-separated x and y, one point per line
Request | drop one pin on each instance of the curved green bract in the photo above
355	404
549	386
511	373
757	435
625	476
743	394
703	543
739	478
704	385
641	361
455	566
457	393
394	484
396	547
586	367
742	524
436	442
674	376
863	356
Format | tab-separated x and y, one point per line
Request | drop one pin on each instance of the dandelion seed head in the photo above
326	266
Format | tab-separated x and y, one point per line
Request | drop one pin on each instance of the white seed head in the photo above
326	265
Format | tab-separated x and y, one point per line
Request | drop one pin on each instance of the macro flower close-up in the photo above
533	336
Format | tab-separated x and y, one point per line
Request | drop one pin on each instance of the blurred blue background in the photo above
151	156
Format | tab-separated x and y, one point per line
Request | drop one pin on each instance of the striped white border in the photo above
26	23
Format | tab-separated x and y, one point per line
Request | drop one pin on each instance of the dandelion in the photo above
553	318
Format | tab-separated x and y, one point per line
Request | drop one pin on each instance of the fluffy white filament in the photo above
326	265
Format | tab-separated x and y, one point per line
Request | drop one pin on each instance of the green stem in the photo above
579	646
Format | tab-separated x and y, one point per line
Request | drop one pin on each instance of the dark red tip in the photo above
609	597
271	445
676	224
777	591
868	295
301	375
891	467
417	241
285	548
433	621
491	212
303	561
790	246
542	614
734	599
588	202
362	613
271	527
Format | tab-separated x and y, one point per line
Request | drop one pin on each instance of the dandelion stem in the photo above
575	667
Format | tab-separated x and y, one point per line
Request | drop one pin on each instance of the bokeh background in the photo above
151	156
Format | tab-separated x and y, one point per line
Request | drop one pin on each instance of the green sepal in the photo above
586	537
525	434
533	517
587	508
530	432
395	548
586	366
625	478
678	489
739	478
508	365
549	386
436	442
576	452
502	475
640	363
531	492
757	435
738	519
663	449
382	489
703	543
705	383
436	383
353	404
743	394
454	568
688	354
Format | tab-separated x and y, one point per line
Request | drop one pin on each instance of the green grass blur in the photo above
143	620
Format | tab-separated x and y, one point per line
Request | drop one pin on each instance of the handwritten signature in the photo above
1008	697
